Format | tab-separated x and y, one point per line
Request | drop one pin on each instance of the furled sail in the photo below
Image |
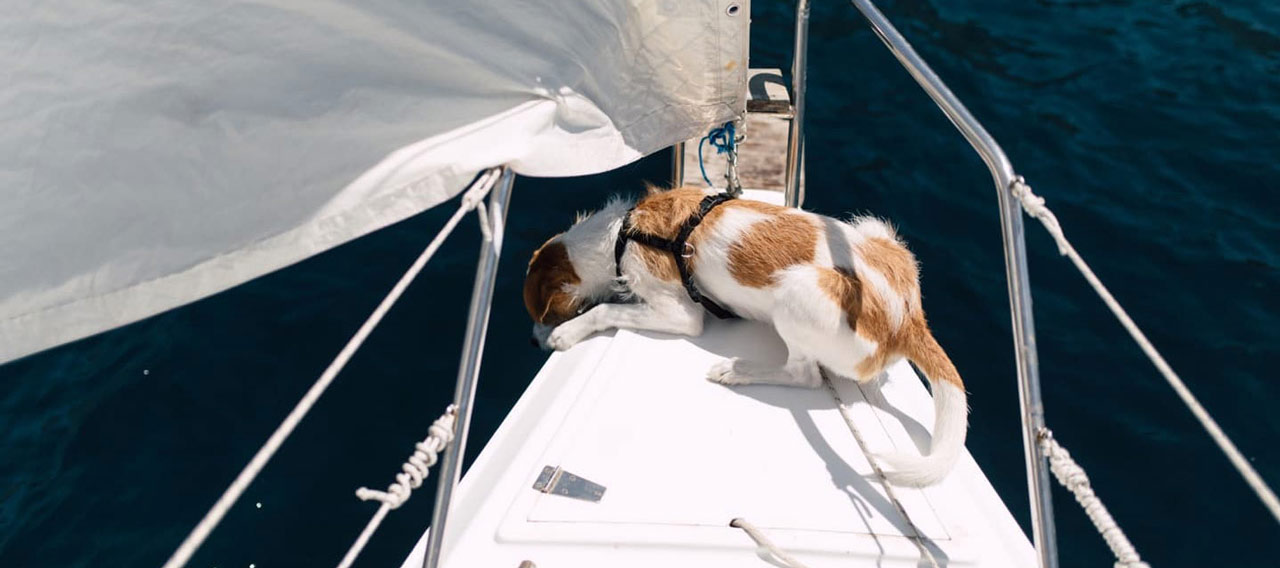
153	153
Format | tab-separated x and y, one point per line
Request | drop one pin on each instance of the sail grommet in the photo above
733	9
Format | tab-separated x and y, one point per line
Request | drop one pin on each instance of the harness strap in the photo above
679	248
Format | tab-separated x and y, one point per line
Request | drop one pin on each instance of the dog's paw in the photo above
723	373
563	337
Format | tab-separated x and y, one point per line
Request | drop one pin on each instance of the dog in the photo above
843	296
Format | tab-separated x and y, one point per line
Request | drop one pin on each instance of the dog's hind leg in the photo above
793	319
814	327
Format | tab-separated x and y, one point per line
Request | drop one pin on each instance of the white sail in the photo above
155	153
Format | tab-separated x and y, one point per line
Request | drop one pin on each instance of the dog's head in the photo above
550	286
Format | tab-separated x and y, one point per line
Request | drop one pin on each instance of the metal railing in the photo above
1015	260
793	194
415	469
469	369
677	164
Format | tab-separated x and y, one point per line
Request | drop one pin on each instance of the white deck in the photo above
680	457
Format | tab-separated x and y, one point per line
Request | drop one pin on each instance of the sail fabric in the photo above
153	153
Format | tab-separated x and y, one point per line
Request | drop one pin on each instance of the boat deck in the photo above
680	457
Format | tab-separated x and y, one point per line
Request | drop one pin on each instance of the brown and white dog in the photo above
845	296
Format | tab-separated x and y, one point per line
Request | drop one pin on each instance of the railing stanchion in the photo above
677	164
793	195
469	368
1025	355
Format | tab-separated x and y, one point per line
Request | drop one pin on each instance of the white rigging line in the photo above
919	538
1035	207
1073	477
416	469
473	197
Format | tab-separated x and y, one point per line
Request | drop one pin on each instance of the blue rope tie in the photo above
722	139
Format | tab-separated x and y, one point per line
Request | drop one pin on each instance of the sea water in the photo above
1151	128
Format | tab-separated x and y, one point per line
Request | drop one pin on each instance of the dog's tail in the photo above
951	417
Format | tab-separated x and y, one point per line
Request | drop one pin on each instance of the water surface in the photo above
1150	128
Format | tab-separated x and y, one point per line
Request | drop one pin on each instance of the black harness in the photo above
679	248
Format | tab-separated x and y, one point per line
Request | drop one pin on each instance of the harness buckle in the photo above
689	250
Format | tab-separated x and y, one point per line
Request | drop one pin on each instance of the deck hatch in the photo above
782	457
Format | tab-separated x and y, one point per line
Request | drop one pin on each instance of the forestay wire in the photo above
1035	207
473	198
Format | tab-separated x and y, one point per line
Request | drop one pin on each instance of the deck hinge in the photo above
557	481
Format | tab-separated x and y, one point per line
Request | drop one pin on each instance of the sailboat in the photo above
217	163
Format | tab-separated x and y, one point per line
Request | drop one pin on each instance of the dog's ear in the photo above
560	306
546	293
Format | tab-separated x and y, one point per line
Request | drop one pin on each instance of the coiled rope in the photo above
1035	207
425	455
724	139
472	199
1073	477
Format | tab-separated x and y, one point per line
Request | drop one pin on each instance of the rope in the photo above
414	471
473	197
767	547
875	466
723	139
1073	477
1035	207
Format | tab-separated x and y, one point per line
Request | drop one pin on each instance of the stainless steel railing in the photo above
677	164
469	369
1015	259
793	194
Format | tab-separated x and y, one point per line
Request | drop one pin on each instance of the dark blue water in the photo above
1150	127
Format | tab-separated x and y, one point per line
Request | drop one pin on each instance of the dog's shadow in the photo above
758	342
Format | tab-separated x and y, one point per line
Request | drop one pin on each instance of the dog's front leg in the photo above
682	318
